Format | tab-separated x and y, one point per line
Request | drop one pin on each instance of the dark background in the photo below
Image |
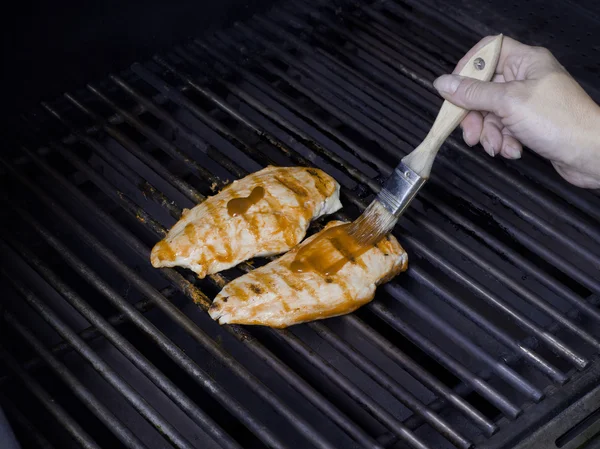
54	46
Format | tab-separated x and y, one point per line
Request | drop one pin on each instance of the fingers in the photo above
469	93
491	135
511	147
494	137
472	125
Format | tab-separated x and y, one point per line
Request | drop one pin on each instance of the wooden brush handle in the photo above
421	159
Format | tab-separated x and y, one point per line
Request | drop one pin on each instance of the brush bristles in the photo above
374	224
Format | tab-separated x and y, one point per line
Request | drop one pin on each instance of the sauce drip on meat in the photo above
164	251
239	206
329	252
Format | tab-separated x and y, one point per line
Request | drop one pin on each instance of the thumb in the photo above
472	94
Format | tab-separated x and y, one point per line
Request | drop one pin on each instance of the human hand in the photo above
532	101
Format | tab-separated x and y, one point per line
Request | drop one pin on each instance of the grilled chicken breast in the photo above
262	214
277	295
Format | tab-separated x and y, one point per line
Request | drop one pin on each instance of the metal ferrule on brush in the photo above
400	189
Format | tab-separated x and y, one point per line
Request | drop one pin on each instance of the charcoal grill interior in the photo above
489	340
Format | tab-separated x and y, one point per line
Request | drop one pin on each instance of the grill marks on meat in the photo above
210	238
277	296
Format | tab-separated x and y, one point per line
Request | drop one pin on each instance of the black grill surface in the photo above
486	341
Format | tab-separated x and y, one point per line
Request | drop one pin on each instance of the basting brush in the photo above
380	217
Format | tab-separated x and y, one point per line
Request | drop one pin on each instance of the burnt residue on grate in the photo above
494	314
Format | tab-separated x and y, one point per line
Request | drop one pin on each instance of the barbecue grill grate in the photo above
495	315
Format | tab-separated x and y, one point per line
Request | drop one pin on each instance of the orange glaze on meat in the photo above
279	294
265	213
163	251
329	252
239	206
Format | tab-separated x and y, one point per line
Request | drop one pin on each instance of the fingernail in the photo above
512	152
487	146
465	138
447	84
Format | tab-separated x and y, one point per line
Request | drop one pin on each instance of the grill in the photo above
489	340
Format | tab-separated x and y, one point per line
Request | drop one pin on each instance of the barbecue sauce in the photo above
329	252
164	251
239	206
190	232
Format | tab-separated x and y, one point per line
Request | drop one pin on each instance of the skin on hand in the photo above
532	101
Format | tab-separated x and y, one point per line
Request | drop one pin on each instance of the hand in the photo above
532	101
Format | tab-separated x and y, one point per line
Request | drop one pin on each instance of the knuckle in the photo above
470	89
514	97
542	53
513	91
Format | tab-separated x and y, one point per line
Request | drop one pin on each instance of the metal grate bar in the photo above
502	370
116	381
94	405
89	333
477	383
357	394
126	348
391	385
453	46
576	300
135	149
49	403
494	330
534	245
559	187
523	292
148	189
445	394
266	111
484	293
222	159
116	195
383	25
160	141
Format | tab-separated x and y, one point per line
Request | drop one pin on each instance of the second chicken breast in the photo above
281	294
